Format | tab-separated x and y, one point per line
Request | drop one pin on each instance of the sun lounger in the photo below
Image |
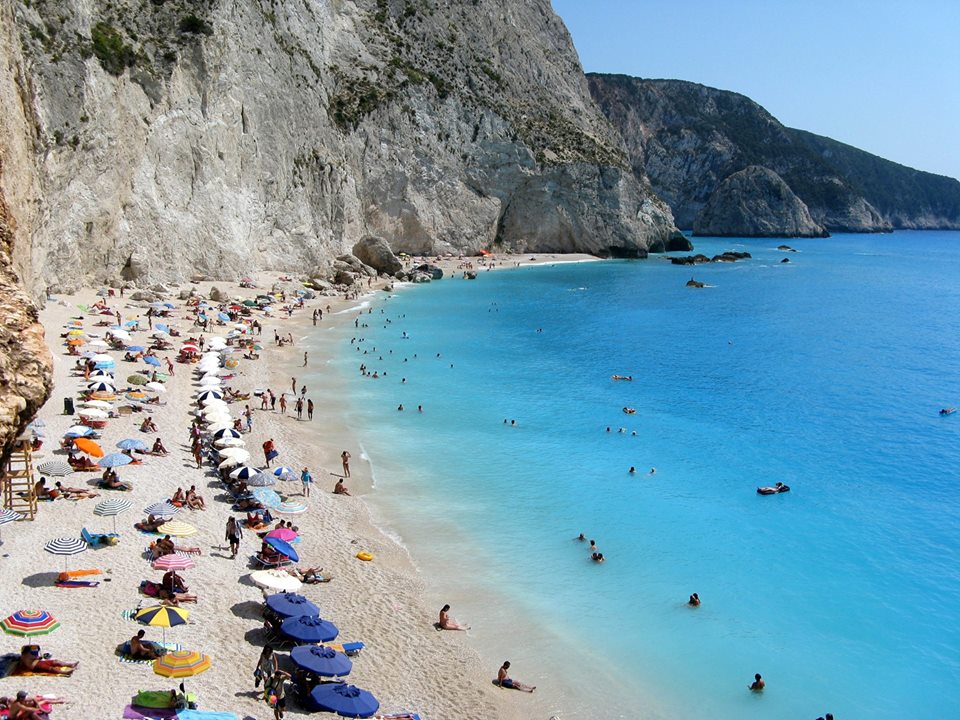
280	561
96	539
351	648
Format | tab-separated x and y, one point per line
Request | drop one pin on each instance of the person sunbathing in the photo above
173	583
22	707
158	448
166	546
175	599
42	492
31	661
148	426
72	493
178	499
340	489
245	504
195	501
111	481
446	623
144	649
150	524
81	463
310	576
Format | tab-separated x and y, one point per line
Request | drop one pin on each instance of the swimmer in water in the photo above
597	557
581	537
758	684
653	471
694	600
633	470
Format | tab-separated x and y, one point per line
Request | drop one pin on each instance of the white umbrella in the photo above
228	463
276	580
217	414
98	345
94	414
219	425
236	453
156	387
102	358
211	381
98	404
120	334
213	403
101	375
227	442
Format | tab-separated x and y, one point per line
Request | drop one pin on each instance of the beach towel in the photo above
129	614
71	574
205	715
128	660
44	707
27	673
77	583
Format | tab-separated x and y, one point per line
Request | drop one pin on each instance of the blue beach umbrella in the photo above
321	660
244	473
309	629
131	323
285	473
266	496
162	328
211	395
136	348
170	306
80	431
262	479
202	317
114	460
282	547
132	444
226	432
151	360
223	316
344	700
291	605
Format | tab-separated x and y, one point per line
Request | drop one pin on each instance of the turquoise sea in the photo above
826	374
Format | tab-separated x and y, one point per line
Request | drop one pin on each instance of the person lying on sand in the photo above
72	493
309	576
446	623
22	707
150	524
165	546
504	680
30	661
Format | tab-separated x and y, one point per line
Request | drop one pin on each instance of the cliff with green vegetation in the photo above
171	137
689	138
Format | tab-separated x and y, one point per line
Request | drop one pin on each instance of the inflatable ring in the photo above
232	363
365	556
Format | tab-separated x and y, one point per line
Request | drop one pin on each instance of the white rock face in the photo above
235	135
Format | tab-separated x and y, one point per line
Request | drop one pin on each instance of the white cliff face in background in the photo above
172	138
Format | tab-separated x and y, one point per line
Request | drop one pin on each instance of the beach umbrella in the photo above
238	453
28	623
163	328
266	496
210	381
137	379
286	534
320	660
226	442
99	344
227	432
93	414
131	323
89	447
104	395
98	404
111	508
289	507
162	616
8	516
309	629
136	395
132	444
244	472
151	360
285	473
282	547
219	424
228	463
191	347
79	431
173	562
65	546
276	580
101	375
55	468
114	460
155	387
76	332
101	386
344	700
291	605
263	479
162	509
120	333
207	396
181	664
217	415
103	360
177	529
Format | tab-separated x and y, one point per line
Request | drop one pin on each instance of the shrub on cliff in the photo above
114	54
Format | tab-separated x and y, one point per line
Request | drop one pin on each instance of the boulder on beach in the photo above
375	252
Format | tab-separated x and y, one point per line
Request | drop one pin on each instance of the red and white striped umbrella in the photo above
173	562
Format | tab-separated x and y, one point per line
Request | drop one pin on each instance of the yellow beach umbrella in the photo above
162	616
181	664
76	333
177	528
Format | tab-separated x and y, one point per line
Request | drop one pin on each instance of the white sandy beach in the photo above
406	663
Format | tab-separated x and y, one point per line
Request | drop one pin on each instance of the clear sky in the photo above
881	75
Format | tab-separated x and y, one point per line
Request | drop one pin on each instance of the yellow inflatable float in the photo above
365	556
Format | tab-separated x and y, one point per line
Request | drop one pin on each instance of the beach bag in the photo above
272	454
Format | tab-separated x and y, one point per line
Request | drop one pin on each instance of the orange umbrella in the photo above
89	447
76	341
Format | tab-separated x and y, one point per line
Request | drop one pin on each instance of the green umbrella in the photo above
138	380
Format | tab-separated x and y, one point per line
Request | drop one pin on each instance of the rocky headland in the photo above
689	139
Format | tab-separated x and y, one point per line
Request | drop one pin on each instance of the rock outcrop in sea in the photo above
755	202
169	138
689	138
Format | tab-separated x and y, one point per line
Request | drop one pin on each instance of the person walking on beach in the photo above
266	666
248	414
273	399
299	408
345	461
504	680
276	691
283	404
306	479
233	536
304	359
309	409
269	451
293	385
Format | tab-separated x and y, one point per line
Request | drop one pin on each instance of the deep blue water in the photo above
826	374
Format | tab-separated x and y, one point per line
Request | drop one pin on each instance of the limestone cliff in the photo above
689	138
171	136
755	202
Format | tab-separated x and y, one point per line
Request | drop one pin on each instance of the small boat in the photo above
621	377
948	411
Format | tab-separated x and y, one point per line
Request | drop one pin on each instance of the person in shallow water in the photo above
504	680
694	600
597	557
446	623
758	684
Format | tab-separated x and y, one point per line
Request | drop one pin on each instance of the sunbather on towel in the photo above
22	707
195	500
143	649
72	493
178	499
150	524
309	576
30	661
166	546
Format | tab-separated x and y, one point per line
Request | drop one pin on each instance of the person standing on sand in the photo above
283	404
233	536
273	399
345	461
306	479
299	408
293	385
305	359
504	680
309	409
